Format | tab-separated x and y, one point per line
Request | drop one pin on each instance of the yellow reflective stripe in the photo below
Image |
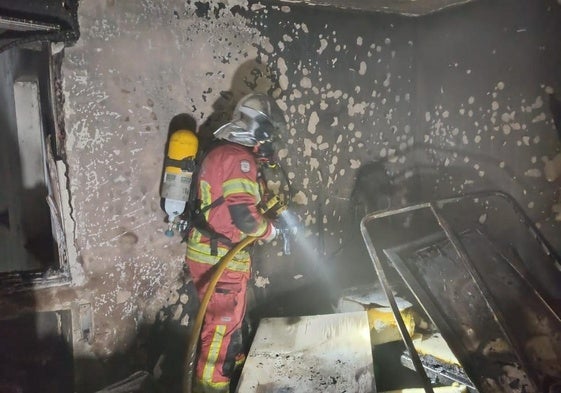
202	247
240	361
196	236
238	265
204	191
221	251
206	197
240	186
213	387
213	352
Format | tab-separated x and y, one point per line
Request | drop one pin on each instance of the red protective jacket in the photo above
228	171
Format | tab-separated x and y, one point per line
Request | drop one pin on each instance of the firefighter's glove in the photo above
272	235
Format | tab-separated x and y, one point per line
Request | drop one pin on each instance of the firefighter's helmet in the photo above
256	122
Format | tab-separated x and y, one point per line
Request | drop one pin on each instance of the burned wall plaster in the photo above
348	94
355	88
137	66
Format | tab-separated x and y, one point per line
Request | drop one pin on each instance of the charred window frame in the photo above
36	227
37	20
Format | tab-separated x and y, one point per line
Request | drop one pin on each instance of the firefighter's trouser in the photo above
220	342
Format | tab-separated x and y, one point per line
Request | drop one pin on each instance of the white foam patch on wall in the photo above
306	83
323	45
283	79
313	122
356	109
300	198
387	81
335	94
363	68
261	281
539	118
274	186
534	172
355	164
268	47
314	163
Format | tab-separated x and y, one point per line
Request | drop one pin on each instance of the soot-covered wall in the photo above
447	103
487	108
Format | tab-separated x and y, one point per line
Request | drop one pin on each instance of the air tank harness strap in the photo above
201	224
186	164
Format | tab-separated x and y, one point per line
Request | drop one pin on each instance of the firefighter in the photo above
228	193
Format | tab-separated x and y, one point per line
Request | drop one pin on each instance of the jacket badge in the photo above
245	166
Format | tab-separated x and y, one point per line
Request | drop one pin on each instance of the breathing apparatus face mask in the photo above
265	153
267	143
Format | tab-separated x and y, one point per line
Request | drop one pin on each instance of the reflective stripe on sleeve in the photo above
241	186
206	196
204	191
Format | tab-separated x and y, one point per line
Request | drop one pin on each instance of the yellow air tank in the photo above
178	173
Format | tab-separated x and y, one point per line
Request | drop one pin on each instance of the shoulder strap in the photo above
218	201
199	222
197	219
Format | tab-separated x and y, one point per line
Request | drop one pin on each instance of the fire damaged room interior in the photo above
280	196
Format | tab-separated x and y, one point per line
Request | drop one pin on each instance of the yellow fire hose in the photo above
190	356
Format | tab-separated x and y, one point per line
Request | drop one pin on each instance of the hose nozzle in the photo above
273	208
